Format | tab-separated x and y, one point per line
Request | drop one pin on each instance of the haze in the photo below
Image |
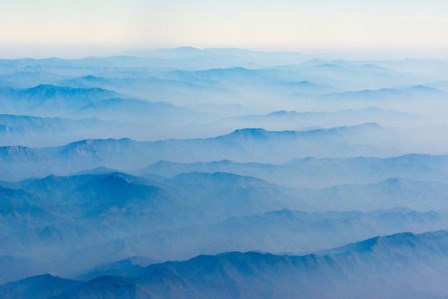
223	149
46	28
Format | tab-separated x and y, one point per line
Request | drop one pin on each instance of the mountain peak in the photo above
401	240
250	132
89	142
53	91
283	113
258	133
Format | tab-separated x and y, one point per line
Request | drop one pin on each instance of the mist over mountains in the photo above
366	266
223	173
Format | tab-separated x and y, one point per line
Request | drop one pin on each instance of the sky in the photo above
36	28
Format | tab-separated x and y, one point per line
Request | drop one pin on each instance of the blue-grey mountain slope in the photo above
245	145
324	172
400	265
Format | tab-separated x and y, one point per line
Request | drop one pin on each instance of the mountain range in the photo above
389	267
243	145
223	173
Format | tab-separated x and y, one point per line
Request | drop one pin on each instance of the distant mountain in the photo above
243	80
400	265
392	193
235	74
372	113
97	196
287	119
240	145
38	131
112	118
28	78
417	91
53	92
59	214
72	213
194	58
290	231
109	216
18	204
350	74
171	169
150	86
52	100
325	172
389	194
220	195
89	81
421	67
20	212
223	173
130	109
98	171
123	267
48	99
93	196
27	124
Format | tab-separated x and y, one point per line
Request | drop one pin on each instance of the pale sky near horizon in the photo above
91	27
